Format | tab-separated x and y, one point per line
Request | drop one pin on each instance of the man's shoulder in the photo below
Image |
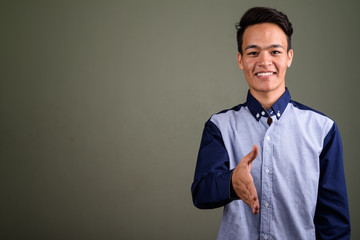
311	111
233	109
228	116
226	113
314	119
304	107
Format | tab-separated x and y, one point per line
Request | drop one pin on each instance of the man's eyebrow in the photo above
275	46
252	46
271	46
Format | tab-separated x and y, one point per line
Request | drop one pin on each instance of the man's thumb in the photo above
252	155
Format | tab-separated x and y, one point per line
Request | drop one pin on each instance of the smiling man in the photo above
274	164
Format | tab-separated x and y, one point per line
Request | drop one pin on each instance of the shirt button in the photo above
257	115
266	204
267	170
263	113
266	237
268	138
278	114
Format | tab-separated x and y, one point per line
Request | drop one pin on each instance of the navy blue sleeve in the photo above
212	181
332	220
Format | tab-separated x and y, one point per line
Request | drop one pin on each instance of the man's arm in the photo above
332	219
214	184
211	186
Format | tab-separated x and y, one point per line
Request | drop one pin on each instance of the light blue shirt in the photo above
298	173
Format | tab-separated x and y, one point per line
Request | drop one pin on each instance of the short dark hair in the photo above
258	15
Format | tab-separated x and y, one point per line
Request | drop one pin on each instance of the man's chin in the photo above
264	89
268	89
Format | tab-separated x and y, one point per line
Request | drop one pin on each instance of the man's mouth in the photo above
264	74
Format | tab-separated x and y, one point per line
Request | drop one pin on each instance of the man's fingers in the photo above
254	201
253	193
249	195
251	199
255	205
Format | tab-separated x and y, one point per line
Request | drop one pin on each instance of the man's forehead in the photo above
264	35
264	29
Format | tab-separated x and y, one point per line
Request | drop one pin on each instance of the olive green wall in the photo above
102	106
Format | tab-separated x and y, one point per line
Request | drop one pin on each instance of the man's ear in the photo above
239	61
290	57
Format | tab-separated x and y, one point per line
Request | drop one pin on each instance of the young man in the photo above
291	185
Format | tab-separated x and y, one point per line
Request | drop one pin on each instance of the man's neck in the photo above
267	99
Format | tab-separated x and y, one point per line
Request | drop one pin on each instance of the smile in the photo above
264	74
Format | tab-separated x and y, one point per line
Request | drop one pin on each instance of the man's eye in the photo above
252	53
275	52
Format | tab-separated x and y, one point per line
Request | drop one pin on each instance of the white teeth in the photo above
263	74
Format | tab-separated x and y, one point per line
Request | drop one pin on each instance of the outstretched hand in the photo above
243	182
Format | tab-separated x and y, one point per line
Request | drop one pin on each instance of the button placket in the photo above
266	210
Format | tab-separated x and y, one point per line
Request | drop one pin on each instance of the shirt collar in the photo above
277	109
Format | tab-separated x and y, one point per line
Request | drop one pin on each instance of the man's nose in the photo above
264	59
